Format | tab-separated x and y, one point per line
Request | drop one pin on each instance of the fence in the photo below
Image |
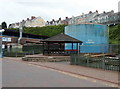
106	61
21	52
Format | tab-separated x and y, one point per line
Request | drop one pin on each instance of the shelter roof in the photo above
62	38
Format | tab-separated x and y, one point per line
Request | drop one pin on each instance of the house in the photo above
14	25
84	18
57	22
28	23
103	17
32	22
53	22
37	22
96	18
114	18
65	21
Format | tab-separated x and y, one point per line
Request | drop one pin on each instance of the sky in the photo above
12	11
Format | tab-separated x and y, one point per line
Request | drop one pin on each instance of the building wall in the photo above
92	35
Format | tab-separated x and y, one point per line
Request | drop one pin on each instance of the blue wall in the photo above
94	37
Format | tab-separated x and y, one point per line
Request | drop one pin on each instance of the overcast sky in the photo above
12	11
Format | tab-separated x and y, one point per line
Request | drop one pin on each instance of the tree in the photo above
4	25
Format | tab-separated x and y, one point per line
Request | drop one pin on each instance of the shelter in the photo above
56	45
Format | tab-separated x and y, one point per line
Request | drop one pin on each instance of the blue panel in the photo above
94	36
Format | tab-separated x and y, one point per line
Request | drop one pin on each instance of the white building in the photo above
33	22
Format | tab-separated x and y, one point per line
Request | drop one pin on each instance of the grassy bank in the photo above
114	34
47	30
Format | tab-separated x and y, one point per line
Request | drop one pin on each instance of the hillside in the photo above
47	30
114	32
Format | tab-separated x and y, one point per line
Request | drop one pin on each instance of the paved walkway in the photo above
104	75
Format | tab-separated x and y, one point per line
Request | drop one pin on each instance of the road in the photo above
17	74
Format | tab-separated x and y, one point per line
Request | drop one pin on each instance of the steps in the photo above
45	59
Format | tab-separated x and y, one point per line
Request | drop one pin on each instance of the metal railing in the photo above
107	61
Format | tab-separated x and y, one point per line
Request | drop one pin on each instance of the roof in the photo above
62	38
37	18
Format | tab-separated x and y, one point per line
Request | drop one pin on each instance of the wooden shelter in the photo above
56	45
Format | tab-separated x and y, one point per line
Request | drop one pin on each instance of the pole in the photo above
108	32
0	44
78	48
103	62
1	51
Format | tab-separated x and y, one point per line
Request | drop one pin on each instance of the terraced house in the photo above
58	22
33	22
96	18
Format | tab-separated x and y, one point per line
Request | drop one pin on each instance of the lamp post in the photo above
1	51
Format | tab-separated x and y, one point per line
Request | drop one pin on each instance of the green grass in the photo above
114	34
46	30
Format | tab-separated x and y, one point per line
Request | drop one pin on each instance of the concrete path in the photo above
103	75
20	74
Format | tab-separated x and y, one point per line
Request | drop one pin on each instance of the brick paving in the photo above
104	75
